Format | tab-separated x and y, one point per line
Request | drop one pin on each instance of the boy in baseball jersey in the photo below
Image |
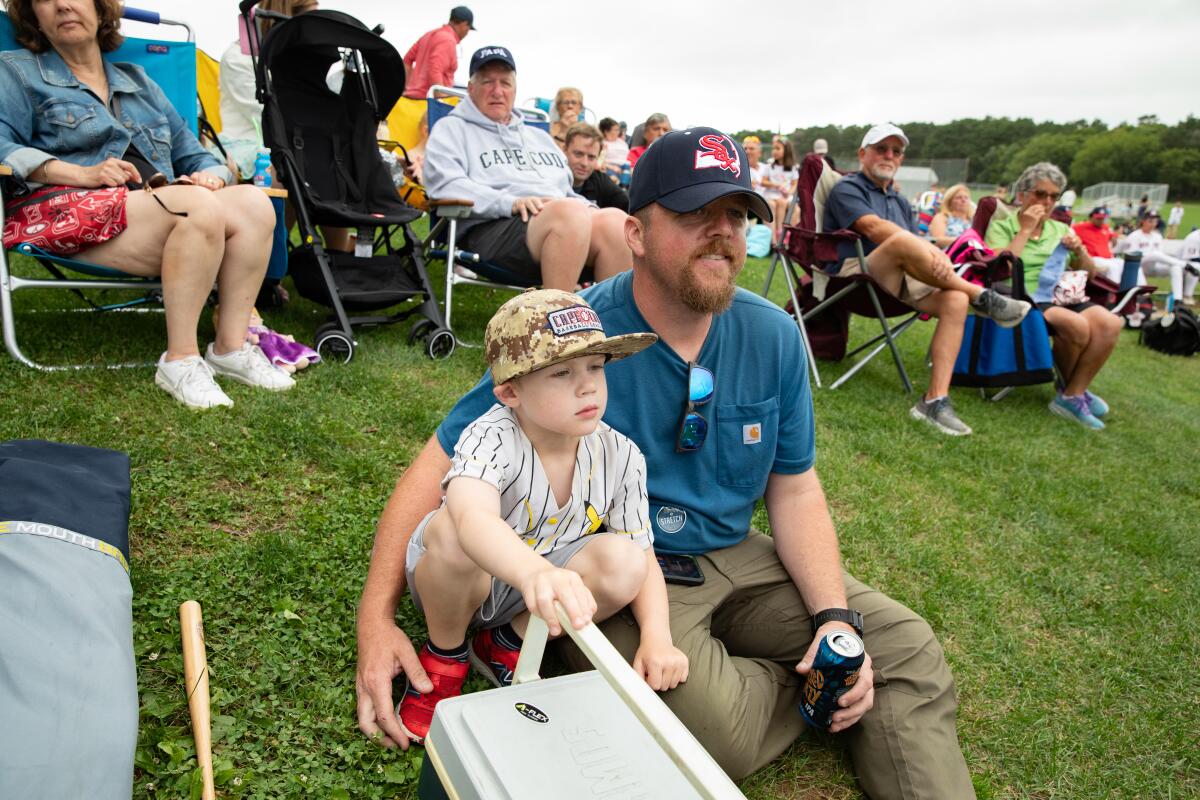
543	503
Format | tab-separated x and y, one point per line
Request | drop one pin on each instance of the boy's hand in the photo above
544	586
662	665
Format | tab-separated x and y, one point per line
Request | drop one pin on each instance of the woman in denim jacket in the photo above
78	129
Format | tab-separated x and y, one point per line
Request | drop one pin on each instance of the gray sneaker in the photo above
940	414
1004	311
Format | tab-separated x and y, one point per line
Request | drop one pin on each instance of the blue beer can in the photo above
834	671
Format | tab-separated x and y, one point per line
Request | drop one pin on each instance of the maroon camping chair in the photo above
1100	290
822	304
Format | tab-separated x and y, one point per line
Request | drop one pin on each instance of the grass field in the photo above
1058	566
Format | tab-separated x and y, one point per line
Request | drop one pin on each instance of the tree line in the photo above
999	148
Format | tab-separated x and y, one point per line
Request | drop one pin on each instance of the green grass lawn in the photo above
1059	566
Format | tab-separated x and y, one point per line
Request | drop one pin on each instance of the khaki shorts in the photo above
897	283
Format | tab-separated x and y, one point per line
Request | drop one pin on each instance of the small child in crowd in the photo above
543	502
779	184
616	149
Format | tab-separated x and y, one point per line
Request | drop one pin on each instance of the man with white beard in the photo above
908	267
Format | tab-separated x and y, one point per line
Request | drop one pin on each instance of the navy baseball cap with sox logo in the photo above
688	169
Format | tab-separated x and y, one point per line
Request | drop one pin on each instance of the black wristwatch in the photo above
846	615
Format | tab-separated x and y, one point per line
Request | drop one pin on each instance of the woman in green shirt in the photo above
1084	333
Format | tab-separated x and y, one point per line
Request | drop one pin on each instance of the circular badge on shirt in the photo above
671	519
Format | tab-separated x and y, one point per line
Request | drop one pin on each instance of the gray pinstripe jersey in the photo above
609	486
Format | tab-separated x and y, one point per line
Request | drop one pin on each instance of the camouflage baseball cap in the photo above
540	327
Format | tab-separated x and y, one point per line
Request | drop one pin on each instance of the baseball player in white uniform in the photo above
543	503
1149	242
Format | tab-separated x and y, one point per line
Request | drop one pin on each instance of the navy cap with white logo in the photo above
486	55
462	14
685	170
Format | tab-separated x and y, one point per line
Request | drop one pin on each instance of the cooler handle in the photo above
705	775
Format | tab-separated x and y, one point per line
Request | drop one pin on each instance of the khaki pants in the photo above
744	631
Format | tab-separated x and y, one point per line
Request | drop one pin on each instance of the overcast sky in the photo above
802	63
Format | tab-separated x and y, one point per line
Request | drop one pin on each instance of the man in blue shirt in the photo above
721	409
908	267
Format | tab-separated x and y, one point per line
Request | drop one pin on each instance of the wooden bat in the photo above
195	673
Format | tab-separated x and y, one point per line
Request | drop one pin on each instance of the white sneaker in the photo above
251	367
190	381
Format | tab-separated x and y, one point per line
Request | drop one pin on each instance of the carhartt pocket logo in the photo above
752	433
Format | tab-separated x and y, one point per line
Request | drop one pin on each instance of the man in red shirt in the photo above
1097	238
432	60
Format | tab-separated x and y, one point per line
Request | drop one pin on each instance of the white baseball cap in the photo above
882	131
821	146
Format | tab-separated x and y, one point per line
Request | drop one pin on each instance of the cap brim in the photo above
496	60
616	347
689	198
899	136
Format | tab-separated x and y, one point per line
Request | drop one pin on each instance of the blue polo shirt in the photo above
856	196
760	417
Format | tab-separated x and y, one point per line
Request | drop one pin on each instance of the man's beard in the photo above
706	298
879	173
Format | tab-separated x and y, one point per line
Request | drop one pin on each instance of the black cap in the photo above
1101	210
685	170
462	14
486	55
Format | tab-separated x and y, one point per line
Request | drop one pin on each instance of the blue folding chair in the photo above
462	266
172	64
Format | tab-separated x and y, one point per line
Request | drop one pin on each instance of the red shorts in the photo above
65	219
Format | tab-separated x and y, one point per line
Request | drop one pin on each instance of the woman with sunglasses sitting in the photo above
81	131
1085	334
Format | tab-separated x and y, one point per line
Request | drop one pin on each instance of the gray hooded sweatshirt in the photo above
470	157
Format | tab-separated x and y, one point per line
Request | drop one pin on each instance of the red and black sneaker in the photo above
416	709
492	659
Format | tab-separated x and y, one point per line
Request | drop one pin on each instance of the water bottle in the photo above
364	242
262	163
626	175
1129	272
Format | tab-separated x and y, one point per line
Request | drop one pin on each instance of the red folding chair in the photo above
1121	299
814	293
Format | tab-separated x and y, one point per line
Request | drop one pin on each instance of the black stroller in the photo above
324	149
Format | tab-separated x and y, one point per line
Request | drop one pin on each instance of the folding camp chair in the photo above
462	266
1121	299
172	64
813	292
208	104
778	251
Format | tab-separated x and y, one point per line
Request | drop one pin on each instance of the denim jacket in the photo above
45	112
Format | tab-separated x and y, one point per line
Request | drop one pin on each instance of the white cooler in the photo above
600	735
